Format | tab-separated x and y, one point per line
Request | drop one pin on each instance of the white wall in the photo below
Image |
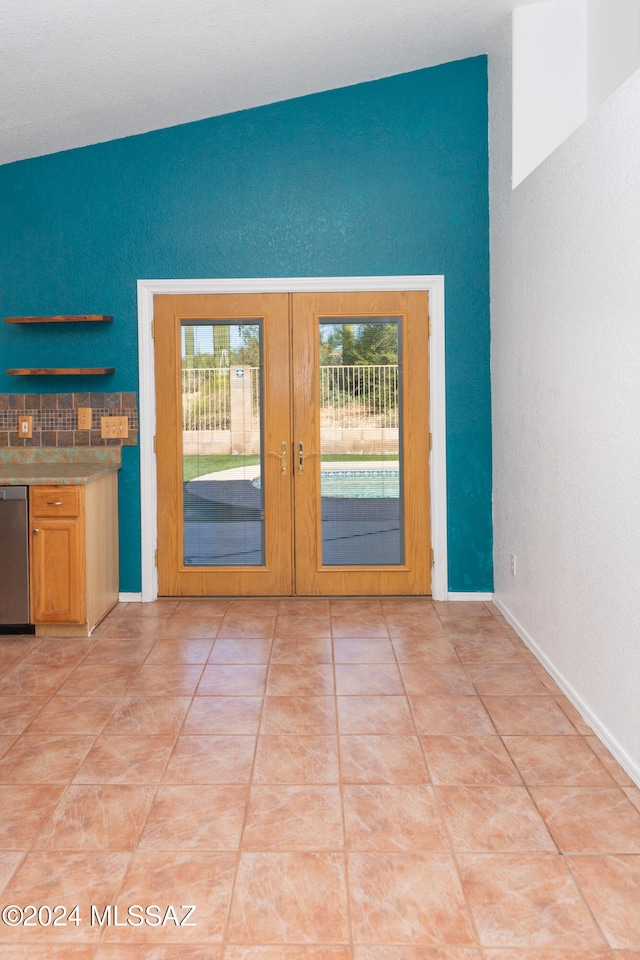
565	253
613	46
568	57
549	79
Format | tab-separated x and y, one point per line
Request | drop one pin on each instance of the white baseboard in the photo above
470	597
137	597
625	761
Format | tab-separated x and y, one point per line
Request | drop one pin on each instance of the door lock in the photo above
283	457
301	457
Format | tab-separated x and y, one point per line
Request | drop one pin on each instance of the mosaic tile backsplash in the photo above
55	418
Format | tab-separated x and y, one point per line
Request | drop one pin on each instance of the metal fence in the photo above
206	398
350	397
255	398
359	396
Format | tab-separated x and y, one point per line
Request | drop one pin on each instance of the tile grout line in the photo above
341	785
224	941
102	938
32	847
438	807
609	946
135	850
544	821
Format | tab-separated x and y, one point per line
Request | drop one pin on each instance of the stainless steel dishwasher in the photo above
14	556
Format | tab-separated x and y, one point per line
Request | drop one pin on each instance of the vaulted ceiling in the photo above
74	72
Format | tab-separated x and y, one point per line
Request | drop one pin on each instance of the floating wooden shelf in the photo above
61	371
83	318
58	371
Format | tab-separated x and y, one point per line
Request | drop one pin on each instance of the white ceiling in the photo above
74	72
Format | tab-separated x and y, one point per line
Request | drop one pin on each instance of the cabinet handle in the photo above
36	531
54	503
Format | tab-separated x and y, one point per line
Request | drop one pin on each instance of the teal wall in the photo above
388	177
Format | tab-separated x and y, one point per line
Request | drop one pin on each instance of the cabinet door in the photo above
57	570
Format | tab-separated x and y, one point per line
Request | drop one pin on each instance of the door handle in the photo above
283	457
301	457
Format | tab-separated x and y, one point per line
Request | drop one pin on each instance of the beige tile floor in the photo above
388	779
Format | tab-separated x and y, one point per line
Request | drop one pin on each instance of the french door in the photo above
292	444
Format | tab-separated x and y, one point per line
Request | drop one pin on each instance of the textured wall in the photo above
566	402
388	177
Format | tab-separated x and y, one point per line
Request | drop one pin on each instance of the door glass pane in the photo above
360	441
222	443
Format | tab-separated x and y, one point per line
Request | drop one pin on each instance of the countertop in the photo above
39	466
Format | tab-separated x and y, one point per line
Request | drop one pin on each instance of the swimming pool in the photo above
358	484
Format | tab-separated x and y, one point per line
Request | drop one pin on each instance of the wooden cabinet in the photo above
74	556
57	570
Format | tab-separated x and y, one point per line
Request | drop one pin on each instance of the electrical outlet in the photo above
84	418
513	564
114	428
25	427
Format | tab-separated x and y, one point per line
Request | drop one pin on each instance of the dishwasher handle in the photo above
13	493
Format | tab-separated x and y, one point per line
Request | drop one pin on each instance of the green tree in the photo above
248	352
375	343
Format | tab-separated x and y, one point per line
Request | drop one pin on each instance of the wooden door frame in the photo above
434	285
